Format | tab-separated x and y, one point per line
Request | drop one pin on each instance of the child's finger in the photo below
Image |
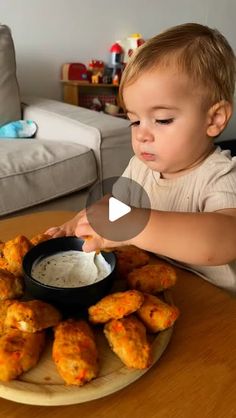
84	231
93	244
53	231
60	233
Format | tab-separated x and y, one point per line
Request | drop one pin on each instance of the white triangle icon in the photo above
117	209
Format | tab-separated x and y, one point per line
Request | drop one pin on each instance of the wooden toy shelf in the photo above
81	93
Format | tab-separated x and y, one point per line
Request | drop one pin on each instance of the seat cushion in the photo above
34	171
10	107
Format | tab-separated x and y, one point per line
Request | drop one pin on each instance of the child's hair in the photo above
200	52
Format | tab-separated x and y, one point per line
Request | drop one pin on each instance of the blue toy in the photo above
18	129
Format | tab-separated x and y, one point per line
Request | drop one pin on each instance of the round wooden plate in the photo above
43	386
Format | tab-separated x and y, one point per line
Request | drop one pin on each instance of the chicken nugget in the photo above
40	238
156	314
127	338
4	305
74	352
1	247
4	264
115	306
31	316
152	278
14	251
128	258
11	286
19	352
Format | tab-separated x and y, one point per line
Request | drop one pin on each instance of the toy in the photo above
107	75
116	80
129	44
116	55
111	109
74	71
116	62
96	66
96	104
96	78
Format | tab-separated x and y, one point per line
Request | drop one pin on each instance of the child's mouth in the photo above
147	156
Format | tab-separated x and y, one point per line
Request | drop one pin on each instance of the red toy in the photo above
96	66
75	71
116	62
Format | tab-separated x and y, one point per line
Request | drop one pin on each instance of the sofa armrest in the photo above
54	123
104	134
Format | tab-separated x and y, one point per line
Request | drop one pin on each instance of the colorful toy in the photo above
116	80
96	66
96	104
96	78
74	71
129	44
116	54
18	129
116	62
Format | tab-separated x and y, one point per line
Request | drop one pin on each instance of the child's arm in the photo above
207	238
195	238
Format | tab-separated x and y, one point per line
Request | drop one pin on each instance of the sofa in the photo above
73	148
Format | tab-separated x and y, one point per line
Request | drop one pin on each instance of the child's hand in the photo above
67	229
80	226
92	240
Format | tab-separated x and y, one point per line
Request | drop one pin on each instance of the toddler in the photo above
178	91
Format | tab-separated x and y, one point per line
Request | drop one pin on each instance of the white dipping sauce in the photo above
71	269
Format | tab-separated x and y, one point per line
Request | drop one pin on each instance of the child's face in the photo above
169	125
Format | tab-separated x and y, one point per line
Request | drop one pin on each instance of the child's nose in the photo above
144	135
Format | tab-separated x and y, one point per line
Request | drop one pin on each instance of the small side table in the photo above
73	90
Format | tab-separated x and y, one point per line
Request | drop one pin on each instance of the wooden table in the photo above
195	377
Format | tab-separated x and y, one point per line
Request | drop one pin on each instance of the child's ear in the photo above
218	117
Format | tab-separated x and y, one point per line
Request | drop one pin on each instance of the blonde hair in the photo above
200	52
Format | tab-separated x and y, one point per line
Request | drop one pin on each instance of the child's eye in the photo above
164	121
135	123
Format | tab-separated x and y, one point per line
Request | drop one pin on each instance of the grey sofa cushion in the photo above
34	171
10	108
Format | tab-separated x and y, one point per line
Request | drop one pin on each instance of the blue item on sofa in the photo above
18	129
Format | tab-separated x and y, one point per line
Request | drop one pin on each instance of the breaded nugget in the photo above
19	352
1	247
74	352
4	305
128	258
11	286
115	306
156	314
4	263
40	238
31	316
14	251
152	278
127	338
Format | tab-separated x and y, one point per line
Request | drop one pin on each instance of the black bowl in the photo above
68	299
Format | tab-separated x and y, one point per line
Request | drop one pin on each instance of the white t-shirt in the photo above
208	188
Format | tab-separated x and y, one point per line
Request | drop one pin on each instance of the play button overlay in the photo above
117	209
113	208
